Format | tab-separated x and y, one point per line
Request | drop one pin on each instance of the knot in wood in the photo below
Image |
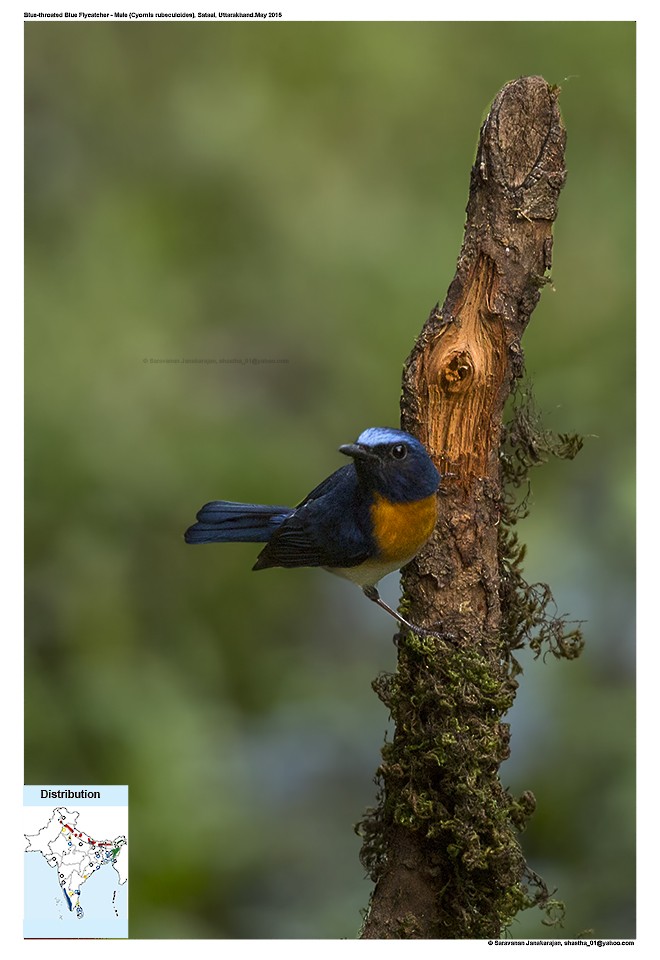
457	372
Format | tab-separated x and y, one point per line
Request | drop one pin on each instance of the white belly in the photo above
368	574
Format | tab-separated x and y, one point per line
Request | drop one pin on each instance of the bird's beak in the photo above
357	451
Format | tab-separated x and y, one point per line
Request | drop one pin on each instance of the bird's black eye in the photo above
399	451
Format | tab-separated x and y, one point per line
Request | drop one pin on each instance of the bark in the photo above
442	844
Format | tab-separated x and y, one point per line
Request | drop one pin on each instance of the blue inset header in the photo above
55	795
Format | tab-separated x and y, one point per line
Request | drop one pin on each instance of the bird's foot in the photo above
372	594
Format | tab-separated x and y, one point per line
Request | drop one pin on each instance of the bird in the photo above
367	519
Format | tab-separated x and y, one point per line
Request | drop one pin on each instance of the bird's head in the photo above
393	464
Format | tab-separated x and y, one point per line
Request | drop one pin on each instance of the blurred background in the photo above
200	195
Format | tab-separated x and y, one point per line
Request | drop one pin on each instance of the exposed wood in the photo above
442	845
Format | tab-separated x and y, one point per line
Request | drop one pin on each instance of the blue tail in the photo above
222	521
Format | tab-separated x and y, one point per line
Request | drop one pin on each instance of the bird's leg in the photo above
372	594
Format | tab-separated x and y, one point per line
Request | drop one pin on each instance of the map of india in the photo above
76	865
75	856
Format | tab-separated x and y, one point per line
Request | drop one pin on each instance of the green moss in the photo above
528	610
439	775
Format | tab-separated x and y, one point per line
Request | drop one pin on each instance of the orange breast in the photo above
401	529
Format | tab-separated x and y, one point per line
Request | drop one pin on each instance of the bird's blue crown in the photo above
375	436
401	479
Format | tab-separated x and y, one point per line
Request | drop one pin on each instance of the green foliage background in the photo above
296	191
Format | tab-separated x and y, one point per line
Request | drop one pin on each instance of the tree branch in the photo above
442	844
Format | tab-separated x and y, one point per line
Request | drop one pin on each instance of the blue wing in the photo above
331	527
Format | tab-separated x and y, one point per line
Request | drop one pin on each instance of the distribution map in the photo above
75	855
83	893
